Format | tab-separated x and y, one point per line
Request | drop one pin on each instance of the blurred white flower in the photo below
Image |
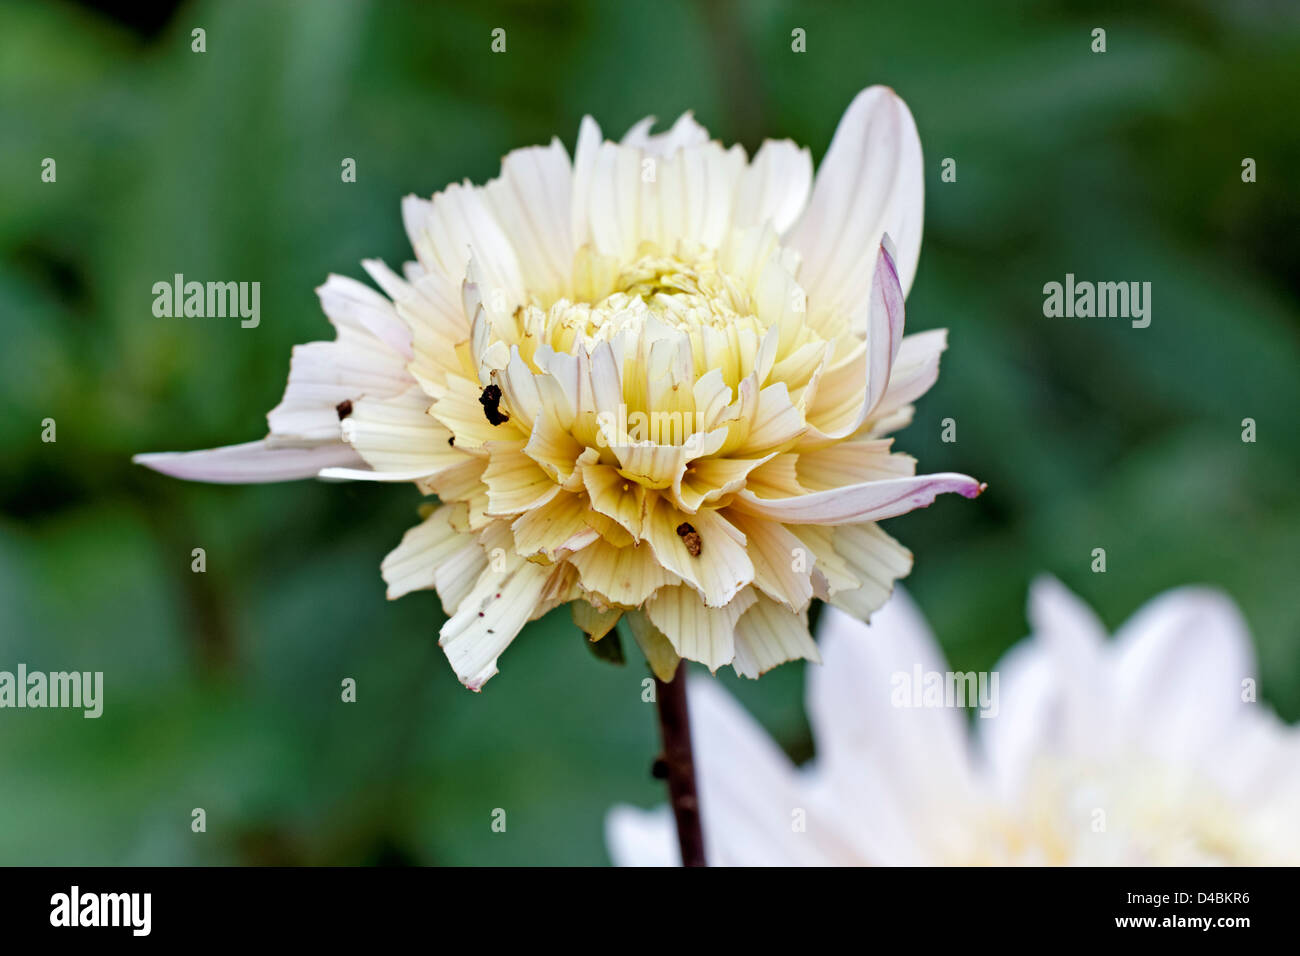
654	381
1143	750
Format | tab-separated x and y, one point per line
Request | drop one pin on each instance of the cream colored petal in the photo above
444	230
696	631
613	495
830	571
656	647
775	186
708	479
490	617
852	462
456	576
515	482
712	397
460	482
916	368
368	358
720	570
782	565
777	478
847	393
776	424
557	526
625	576
592	621
531	199
464	415
433	311
554	449
398	435
652	465
624	196
769	634
876	560
609	212
413	564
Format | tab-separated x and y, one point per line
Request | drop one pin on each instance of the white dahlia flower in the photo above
1148	749
653	382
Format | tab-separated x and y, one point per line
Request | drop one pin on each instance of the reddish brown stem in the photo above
678	765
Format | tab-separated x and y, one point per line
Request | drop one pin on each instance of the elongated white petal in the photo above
251	462
870	183
531	200
868	501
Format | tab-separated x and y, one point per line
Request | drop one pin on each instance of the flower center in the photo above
1136	812
685	292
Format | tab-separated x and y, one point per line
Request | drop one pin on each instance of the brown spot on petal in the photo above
344	408
691	538
491	402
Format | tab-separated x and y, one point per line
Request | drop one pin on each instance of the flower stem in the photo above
678	765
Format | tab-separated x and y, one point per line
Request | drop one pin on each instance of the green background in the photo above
223	688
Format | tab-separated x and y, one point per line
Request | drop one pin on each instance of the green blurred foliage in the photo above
222	689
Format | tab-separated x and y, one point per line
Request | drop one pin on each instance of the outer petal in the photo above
916	369
413	564
769	634
895	769
490	617
1179	667
698	632
848	394
253	461
684	132
870	183
876	560
636	837
868	501
367	359
720	570
398	435
775	186
531	200
444	230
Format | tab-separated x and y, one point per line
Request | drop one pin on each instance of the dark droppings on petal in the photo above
344	408
451	440
691	538
491	402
